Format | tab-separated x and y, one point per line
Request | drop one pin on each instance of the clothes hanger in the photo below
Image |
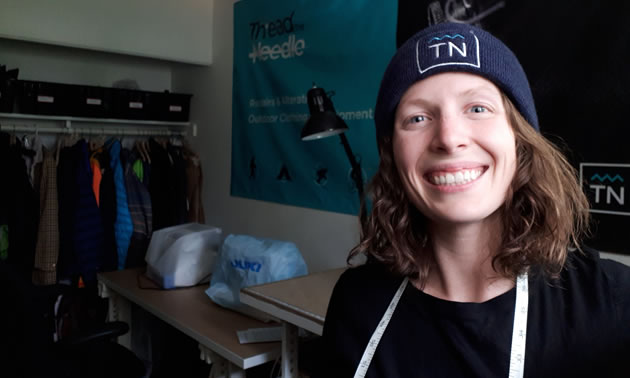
92	141
127	142
36	140
140	147
73	137
58	147
12	136
147	149
101	139
176	140
141	152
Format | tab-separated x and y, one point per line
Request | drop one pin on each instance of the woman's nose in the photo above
450	135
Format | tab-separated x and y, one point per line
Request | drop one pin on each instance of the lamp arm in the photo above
356	175
356	168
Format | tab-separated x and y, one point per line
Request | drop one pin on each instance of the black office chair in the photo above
85	346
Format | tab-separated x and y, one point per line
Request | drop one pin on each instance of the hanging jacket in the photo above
4	198
178	177
123	227
67	192
88	236
47	247
161	187
194	181
139	201
97	176
107	208
19	208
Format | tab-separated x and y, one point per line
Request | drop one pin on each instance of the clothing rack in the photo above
31	123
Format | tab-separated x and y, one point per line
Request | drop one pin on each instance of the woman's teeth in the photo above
456	178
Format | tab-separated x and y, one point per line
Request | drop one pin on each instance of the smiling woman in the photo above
449	127
475	266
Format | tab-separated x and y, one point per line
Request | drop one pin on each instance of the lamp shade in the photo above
323	121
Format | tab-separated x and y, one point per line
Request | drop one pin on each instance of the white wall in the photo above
174	30
625	259
74	66
324	238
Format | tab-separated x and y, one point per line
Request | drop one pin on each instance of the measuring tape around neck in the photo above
519	330
368	353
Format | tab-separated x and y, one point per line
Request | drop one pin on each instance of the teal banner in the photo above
281	49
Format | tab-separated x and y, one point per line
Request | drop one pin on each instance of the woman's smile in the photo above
455	177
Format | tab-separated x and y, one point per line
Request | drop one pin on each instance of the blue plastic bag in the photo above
247	261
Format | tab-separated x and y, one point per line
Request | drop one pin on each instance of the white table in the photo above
299	302
193	313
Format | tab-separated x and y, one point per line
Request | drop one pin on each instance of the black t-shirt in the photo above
578	326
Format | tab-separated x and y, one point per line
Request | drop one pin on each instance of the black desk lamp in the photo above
325	122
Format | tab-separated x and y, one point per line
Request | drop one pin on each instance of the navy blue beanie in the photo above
452	47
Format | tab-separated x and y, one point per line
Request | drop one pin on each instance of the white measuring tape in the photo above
519	330
368	353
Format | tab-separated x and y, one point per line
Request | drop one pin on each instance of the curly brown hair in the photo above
545	212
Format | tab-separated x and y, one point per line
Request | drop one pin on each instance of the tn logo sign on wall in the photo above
605	186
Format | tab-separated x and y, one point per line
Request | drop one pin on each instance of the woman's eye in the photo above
413	122
417	119
478	109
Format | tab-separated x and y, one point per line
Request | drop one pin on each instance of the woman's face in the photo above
454	148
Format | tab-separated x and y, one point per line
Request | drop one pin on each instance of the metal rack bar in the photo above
90	131
18	122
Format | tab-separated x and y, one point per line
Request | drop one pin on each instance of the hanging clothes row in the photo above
81	206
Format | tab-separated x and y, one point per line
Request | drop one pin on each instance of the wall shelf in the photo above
18	122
